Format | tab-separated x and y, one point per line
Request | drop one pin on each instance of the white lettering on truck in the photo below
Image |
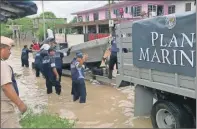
170	50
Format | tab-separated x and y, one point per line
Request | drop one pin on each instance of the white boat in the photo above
94	48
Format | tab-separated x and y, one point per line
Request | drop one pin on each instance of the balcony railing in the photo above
91	36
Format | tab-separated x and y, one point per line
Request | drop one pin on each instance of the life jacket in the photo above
74	71
43	53
47	69
58	60
114	48
38	60
24	54
14	83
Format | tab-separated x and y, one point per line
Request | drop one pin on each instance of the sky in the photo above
63	9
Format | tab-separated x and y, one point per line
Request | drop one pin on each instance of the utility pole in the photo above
110	28
43	18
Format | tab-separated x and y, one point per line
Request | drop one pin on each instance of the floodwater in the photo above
106	107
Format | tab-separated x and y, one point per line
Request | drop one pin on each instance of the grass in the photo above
44	120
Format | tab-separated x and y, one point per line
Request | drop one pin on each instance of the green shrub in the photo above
44	120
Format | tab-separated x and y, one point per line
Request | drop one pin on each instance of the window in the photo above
152	8
136	11
87	17
115	11
171	9
107	15
96	16
80	19
188	7
126	10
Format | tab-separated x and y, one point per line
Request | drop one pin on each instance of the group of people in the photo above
35	46
48	61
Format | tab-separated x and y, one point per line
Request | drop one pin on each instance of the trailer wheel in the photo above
169	115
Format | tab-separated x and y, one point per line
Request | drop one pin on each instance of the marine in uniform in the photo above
50	72
78	81
25	56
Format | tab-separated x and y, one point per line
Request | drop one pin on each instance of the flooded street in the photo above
106	107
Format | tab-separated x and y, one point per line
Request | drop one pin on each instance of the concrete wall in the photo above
60	38
74	39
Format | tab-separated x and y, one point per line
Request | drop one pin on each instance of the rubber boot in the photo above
110	74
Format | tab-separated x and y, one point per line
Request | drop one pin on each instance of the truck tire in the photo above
191	115
166	114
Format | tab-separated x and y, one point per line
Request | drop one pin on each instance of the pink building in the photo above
132	9
96	20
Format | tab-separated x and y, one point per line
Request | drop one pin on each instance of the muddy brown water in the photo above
106	107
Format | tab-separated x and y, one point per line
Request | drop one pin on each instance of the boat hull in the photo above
95	50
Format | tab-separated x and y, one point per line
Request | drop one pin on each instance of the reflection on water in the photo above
106	106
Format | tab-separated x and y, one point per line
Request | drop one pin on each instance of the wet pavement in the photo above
106	107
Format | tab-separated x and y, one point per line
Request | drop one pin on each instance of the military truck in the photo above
161	63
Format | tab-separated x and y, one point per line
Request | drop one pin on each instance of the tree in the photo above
72	30
48	23
5	31
40	32
48	15
27	24
74	20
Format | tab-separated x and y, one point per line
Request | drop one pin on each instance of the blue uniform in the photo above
58	62
43	53
25	57
113	58
14	83
48	63
38	63
78	82
114	48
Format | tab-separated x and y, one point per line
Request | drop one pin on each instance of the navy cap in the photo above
51	49
78	52
79	55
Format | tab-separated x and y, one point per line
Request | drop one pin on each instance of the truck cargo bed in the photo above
164	81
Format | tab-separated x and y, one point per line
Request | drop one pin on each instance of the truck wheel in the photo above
169	115
191	114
